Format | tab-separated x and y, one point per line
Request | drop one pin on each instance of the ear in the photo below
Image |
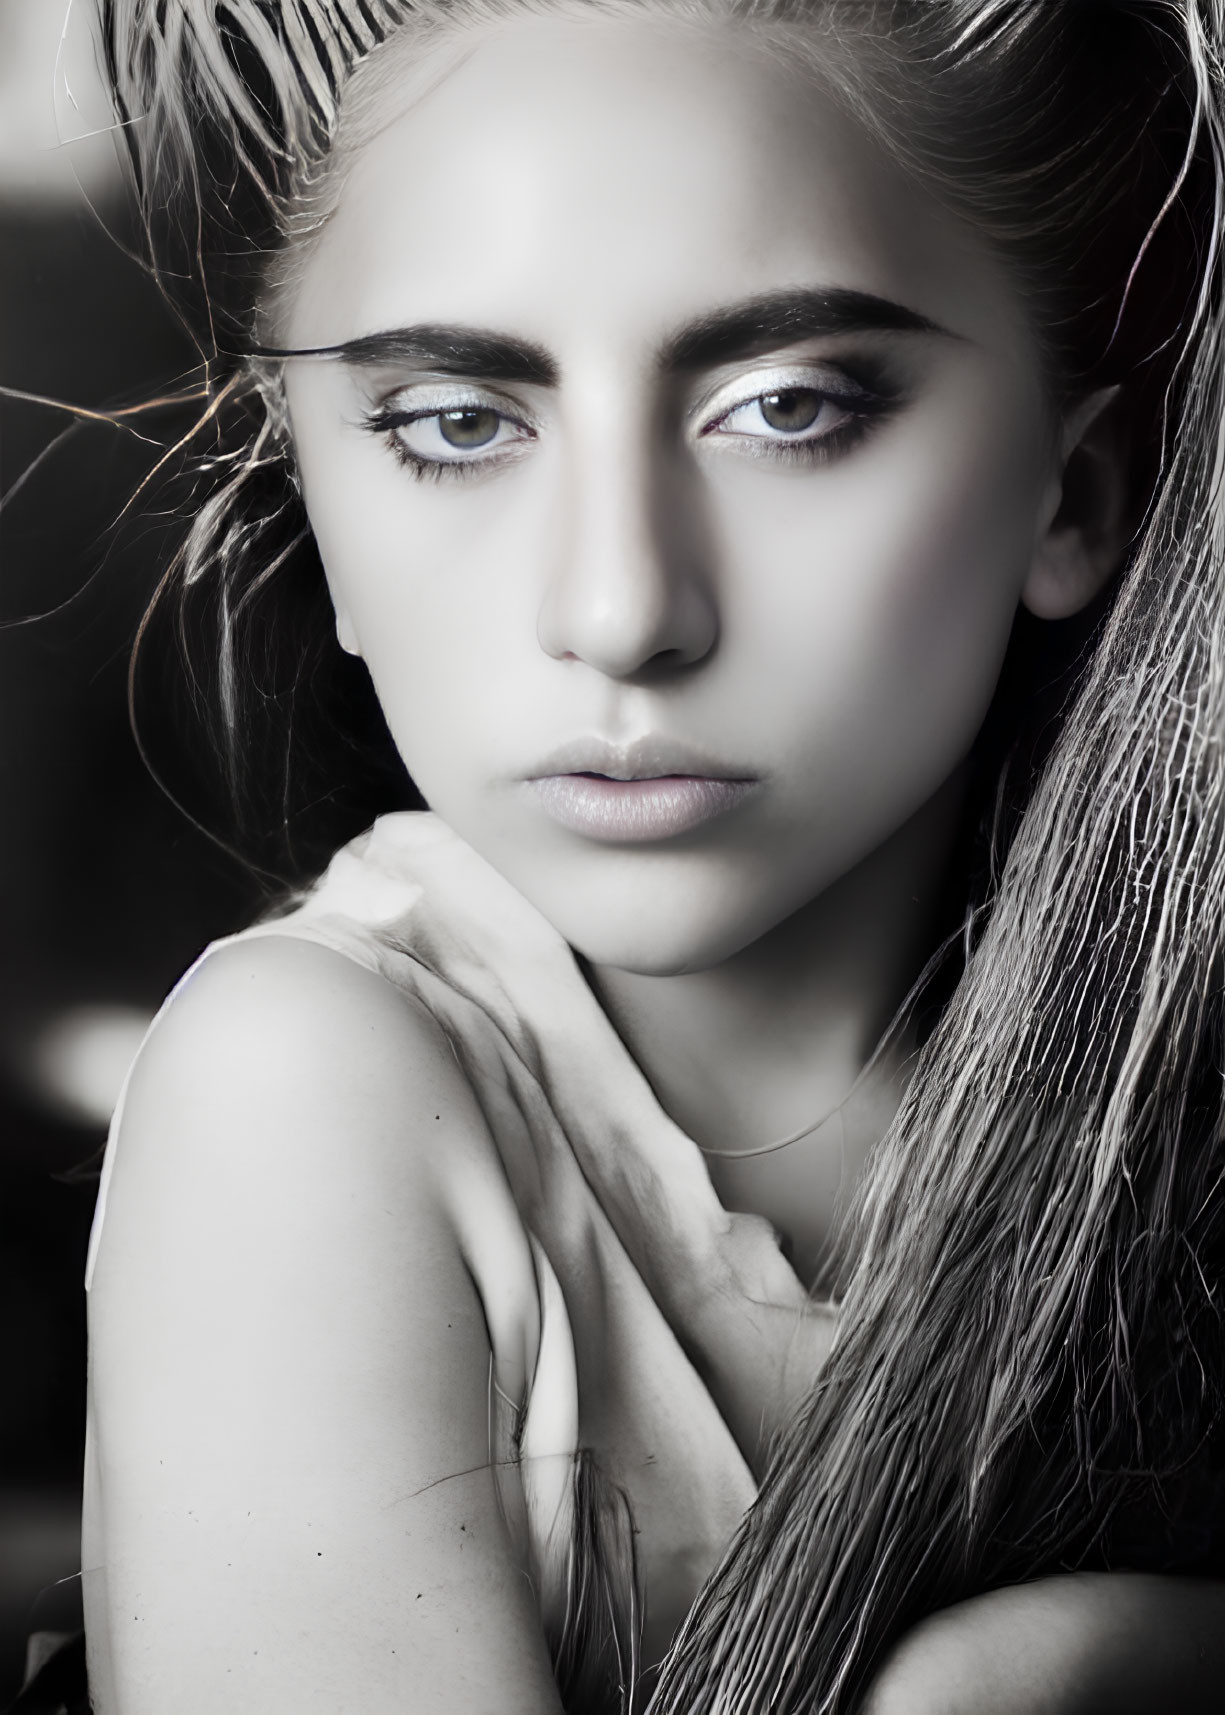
1088	526
345	634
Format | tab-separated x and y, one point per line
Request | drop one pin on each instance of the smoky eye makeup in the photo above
793	410
800	411
447	429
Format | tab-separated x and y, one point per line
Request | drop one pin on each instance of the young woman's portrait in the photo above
693	594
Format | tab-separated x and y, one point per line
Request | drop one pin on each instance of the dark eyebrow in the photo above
783	318
457	351
742	330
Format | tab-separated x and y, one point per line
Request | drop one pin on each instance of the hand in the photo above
745	1320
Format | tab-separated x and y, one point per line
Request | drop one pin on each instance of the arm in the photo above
291	1497
1080	1644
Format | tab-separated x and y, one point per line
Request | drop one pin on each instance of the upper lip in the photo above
654	756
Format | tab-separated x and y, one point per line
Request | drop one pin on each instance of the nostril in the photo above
628	600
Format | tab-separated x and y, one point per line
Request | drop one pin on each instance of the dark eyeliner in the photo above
385	421
864	385
822	448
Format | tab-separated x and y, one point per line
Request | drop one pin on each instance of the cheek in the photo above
944	561
421	570
876	597
434	638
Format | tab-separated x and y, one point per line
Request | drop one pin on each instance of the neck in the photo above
778	1036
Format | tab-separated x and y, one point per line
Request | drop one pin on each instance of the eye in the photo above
805	414
445	436
452	436
791	412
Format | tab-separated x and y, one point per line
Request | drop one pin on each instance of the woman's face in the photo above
681	488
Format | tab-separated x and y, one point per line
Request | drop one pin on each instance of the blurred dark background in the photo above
106	892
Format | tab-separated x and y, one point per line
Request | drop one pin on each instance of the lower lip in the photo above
625	811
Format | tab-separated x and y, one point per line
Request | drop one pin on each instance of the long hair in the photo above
1030	1364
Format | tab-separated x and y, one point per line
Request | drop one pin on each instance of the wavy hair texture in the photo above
1030	1368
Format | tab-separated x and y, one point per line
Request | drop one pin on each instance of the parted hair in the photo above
1029	1374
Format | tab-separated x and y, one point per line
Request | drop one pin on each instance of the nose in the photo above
629	592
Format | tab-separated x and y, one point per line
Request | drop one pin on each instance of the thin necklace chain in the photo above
815	1125
795	1136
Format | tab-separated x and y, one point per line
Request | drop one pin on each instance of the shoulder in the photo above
300	1158
291	1355
273	1005
283	1077
286	1027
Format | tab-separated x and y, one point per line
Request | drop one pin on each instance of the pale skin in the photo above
281	1298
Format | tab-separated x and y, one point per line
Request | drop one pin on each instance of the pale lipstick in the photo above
627	810
653	789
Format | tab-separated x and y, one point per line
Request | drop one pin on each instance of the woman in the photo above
669	410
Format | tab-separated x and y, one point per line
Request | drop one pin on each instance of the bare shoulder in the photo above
285	1064
290	1359
298	1115
306	1121
283	1014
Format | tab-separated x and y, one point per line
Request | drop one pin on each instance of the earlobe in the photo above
1090	523
345	634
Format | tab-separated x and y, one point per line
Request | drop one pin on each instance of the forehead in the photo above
601	179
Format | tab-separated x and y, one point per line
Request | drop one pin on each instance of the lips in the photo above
652	789
625	811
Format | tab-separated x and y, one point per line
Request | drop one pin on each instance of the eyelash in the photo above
385	422
866	404
863	411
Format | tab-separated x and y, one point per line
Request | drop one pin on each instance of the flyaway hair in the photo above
1029	1375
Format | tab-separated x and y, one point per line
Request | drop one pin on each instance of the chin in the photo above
642	956
654	924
